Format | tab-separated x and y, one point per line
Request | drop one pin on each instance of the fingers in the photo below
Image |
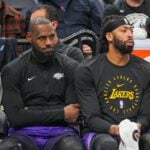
136	135
139	126
86	49
76	105
114	130
72	112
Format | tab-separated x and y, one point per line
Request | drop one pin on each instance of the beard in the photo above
43	57
123	47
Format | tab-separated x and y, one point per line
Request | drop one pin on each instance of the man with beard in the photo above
113	87
50	13
38	95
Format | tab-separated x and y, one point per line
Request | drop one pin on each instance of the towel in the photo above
127	131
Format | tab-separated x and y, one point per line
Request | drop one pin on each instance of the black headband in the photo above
115	23
111	23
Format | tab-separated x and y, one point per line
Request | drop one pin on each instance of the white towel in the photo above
127	129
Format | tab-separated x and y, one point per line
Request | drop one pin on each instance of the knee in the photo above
3	124
104	143
145	141
9	144
71	143
110	144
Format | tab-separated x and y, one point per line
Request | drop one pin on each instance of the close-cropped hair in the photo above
38	21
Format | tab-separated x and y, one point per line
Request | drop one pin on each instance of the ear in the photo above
29	37
109	36
55	24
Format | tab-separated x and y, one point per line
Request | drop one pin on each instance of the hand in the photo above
138	134
114	130
139	127
87	50
72	112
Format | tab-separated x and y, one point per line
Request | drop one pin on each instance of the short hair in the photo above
38	21
109	24
112	22
51	11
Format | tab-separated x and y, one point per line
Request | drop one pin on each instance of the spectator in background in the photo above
136	11
113	87
12	24
50	13
11	21
75	15
39	96
22	6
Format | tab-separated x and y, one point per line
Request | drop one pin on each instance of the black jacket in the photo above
35	93
70	51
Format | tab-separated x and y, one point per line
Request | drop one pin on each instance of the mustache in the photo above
51	48
130	40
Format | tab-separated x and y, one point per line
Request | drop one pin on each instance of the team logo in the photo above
58	76
121	94
31	78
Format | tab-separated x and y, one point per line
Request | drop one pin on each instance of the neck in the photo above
134	3
118	59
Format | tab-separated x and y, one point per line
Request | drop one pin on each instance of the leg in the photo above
104	142
68	143
145	141
3	125
18	142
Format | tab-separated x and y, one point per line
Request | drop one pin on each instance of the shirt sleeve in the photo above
18	115
70	66
76	54
89	102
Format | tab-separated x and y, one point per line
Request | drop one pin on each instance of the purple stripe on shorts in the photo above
87	139
43	131
44	134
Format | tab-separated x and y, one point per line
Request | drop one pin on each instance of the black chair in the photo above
83	37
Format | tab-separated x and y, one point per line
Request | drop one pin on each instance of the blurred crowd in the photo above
73	16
